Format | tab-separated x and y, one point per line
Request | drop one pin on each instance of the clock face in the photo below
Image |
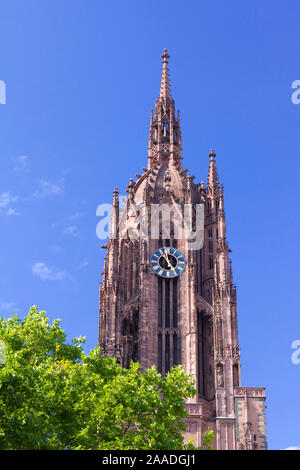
167	262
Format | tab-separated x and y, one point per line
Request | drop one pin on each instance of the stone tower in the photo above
191	317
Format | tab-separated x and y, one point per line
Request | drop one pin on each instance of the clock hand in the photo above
168	261
166	256
173	269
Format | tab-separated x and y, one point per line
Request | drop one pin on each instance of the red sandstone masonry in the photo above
131	295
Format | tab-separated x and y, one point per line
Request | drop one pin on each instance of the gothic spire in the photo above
165	133
165	81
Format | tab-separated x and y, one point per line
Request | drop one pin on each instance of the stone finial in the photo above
131	184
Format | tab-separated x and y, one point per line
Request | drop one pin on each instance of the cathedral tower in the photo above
167	301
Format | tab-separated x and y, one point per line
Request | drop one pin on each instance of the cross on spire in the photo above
165	55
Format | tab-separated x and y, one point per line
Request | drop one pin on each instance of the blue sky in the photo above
81	78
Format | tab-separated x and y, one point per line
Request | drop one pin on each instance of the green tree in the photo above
54	396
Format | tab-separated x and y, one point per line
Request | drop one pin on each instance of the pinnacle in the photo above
165	80
115	197
213	180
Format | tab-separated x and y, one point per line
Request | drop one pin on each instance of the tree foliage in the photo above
54	396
